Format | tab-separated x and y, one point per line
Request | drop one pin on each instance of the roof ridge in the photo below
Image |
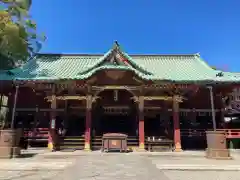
69	54
100	60
118	50
102	54
20	68
163	54
204	63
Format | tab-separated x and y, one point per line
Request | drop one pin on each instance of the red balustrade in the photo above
36	132
230	133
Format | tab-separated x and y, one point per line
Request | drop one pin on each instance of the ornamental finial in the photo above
116	45
198	54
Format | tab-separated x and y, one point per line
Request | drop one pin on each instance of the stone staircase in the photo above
72	142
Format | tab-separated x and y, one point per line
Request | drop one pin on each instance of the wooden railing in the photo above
193	132
36	135
36	132
231	133
133	141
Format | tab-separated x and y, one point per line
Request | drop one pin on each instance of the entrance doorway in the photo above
114	112
159	126
75	125
117	124
72	136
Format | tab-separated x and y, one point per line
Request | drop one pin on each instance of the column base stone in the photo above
141	147
178	148
87	147
50	146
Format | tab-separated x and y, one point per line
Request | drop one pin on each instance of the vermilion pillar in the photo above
176	125
52	135
141	124
88	123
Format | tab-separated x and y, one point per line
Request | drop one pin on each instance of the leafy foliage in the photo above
18	33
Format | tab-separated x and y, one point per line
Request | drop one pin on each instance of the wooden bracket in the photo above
94	99
164	98
175	104
89	101
51	98
135	98
141	103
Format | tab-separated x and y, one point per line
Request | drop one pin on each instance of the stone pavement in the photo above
32	168
113	166
35	164
27	175
195	163
102	167
46	153
186	160
98	166
200	175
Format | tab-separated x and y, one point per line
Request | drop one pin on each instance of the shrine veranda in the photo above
173	97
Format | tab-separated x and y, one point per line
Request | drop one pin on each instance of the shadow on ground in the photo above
27	155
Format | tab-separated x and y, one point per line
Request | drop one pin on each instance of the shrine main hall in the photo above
77	98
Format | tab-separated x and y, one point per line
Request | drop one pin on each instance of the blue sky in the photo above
211	27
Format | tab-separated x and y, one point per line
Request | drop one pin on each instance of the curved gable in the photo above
175	68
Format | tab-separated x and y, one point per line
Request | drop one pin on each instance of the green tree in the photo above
18	33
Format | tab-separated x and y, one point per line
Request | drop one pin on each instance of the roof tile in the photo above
178	68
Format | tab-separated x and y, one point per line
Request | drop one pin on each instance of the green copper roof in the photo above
177	68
